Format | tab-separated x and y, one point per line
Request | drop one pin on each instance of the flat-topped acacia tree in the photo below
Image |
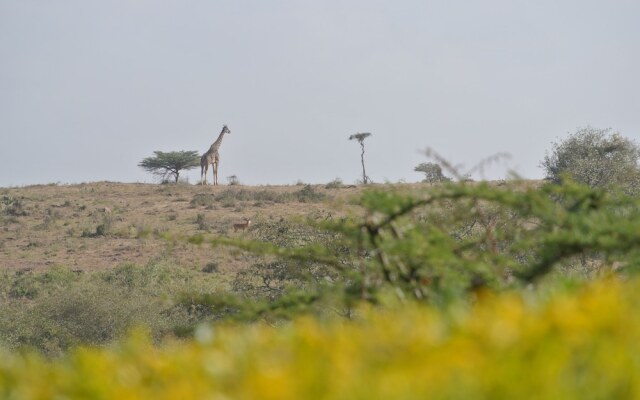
170	163
360	137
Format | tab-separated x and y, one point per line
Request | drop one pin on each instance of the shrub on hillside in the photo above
53	310
335	184
597	158
233	180
432	172
12	206
30	284
309	195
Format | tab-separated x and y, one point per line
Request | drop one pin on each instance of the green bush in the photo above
597	158
452	240
12	206
334	184
309	195
29	284
102	229
201	222
53	310
432	171
151	276
92	314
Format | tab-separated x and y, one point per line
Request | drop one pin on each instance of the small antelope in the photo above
243	225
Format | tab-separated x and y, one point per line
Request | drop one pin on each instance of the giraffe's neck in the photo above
216	145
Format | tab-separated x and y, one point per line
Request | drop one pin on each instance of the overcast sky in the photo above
88	88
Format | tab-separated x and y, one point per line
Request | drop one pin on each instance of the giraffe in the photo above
212	157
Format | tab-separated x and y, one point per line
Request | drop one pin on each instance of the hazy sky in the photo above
88	88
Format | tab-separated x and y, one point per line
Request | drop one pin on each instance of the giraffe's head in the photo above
225	129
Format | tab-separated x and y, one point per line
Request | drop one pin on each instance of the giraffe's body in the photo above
212	157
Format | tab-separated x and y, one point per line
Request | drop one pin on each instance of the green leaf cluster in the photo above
461	239
164	164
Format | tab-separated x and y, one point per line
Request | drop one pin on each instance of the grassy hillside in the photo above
85	263
95	226
456	290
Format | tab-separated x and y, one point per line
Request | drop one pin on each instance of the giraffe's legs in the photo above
215	172
203	174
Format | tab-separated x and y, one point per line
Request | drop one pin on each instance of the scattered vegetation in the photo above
451	240
433	245
232	196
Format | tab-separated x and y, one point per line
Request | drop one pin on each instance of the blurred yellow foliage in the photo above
582	343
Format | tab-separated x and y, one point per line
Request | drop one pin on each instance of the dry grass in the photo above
100	225
84	263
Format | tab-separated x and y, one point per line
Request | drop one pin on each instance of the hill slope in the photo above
101	225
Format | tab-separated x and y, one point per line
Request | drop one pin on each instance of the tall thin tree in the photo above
360	137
